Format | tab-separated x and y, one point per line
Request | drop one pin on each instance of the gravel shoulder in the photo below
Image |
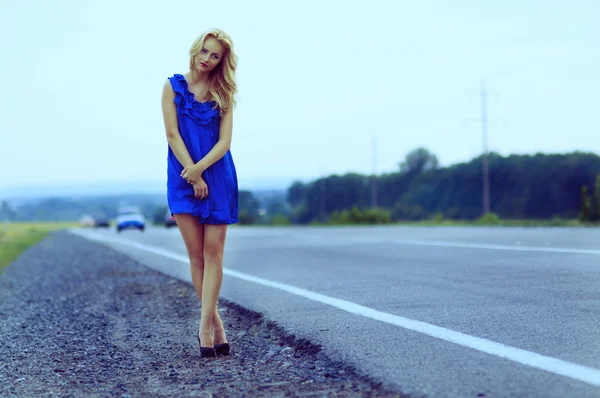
78	319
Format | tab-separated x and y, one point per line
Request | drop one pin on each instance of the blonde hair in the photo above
221	81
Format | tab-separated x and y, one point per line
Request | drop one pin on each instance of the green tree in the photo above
419	161
280	219
539	186
404	212
245	218
584	214
296	193
595	205
248	207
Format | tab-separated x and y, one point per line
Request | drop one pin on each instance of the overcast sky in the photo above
317	80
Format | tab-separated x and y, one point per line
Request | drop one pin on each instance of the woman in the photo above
202	189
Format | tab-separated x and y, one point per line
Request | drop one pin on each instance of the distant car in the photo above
130	218
102	222
169	219
86	221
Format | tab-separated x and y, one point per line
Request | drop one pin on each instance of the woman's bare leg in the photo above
214	243
218	328
193	237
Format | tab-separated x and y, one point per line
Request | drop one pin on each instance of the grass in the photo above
15	238
554	222
492	221
506	223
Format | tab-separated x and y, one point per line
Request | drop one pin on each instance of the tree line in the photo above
540	186
532	187
590	205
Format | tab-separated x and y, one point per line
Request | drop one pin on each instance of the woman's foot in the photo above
207	349
219	336
221	348
221	343
218	329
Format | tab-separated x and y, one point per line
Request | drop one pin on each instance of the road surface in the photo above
435	311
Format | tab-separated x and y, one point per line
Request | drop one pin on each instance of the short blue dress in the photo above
199	127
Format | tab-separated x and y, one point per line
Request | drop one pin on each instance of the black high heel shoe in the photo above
223	348
206	352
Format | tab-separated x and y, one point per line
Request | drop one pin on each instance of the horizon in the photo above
115	188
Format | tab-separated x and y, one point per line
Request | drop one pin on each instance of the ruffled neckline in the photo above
200	112
181	78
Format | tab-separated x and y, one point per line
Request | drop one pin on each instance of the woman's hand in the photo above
200	189
192	173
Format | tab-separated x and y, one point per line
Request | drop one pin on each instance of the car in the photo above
86	221
169	219
102	222
130	218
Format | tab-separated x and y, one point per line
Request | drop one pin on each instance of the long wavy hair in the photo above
221	81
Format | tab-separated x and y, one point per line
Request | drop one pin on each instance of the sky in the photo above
325	87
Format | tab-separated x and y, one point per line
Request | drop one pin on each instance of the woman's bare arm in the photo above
171	127
222	146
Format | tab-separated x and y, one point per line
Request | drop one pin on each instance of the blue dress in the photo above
199	127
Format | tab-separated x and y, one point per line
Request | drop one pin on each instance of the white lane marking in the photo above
336	240
495	247
574	371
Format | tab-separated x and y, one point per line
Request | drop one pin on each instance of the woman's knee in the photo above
214	242
197	261
213	253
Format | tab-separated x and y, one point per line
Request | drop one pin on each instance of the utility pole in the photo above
485	160
485	175
323	196
374	172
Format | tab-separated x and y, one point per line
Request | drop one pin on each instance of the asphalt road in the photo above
435	311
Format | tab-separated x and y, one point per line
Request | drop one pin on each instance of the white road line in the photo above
366	240
495	247
553	365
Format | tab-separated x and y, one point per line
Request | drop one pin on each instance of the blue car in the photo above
130	218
